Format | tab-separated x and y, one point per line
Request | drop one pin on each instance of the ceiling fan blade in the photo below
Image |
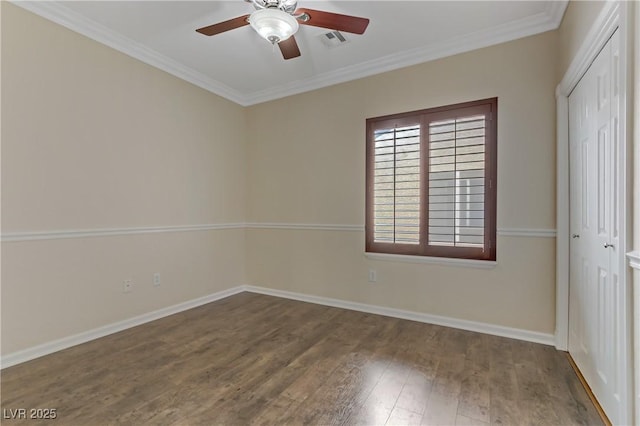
289	48
221	27
334	21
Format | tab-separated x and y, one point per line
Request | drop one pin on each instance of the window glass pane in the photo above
396	185
456	182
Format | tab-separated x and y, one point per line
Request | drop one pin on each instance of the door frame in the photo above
614	15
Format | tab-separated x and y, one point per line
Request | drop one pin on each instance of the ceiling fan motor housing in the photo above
288	6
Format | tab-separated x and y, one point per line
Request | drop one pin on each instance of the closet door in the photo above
580	204
594	303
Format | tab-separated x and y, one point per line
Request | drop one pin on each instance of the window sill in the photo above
447	261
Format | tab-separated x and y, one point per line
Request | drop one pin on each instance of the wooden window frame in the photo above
424	117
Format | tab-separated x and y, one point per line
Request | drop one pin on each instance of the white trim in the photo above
86	336
110	232
602	29
596	38
634	256
522	232
555	11
447	261
11	237
544	21
562	223
55	11
634	259
307	226
507	232
479	327
58	13
614	15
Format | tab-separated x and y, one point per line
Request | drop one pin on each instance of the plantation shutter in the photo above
431	182
396	205
457	181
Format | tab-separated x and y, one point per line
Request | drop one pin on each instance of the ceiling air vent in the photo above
333	39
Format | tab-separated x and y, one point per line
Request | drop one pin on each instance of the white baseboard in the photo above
66	342
496	330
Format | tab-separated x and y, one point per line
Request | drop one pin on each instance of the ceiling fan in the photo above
278	20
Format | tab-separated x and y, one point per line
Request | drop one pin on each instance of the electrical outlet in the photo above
127	286
373	276
156	279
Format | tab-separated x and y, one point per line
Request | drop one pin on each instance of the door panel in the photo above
595	295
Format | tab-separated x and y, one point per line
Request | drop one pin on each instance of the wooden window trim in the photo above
423	117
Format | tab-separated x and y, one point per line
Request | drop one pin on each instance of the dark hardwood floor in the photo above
255	359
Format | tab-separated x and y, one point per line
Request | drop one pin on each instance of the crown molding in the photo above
603	27
555	11
54	11
545	21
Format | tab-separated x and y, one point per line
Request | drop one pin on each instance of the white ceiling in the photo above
242	67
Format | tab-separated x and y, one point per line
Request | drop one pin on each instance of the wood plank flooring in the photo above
261	360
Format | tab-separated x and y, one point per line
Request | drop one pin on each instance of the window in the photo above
431	182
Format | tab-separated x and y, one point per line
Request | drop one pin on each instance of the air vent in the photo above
333	39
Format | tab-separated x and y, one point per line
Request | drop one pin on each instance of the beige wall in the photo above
92	138
306	165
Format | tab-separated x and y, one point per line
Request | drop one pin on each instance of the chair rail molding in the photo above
10	237
58	234
634	259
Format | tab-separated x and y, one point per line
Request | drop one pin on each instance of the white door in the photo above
595	292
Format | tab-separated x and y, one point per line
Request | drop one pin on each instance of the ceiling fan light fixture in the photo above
273	24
